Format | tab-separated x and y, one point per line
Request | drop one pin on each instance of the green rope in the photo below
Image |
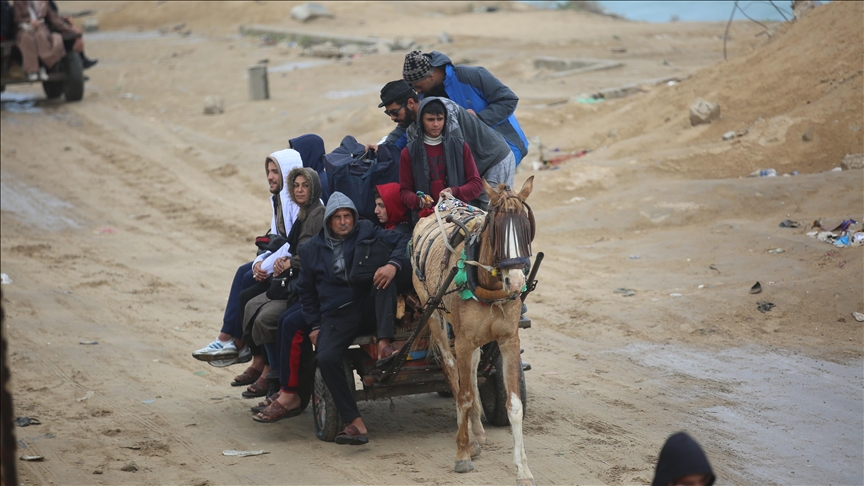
461	279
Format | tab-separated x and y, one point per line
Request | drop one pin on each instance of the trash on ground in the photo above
790	224
843	235
88	342
25	421
765	306
776	250
858	316
4	279
232	452
625	292
129	467
844	226
148	401
86	396
676	294
756	288
763	173
634	257
32	458
200	373
714	267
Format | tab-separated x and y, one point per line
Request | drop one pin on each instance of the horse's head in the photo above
509	232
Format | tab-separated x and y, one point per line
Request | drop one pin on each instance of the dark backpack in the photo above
354	172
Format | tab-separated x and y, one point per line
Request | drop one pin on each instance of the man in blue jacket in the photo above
337	309
471	87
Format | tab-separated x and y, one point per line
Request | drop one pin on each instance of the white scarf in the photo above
432	141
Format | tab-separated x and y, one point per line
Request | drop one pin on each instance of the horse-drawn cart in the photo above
415	368
65	78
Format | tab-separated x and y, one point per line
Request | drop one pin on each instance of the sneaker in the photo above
216	350
43	74
32	76
245	356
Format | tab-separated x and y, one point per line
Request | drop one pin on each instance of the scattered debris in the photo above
858	316
625	292
309	11
676	294
853	161
713	267
634	257
776	251
4	279
729	135
232	452
32	458
619	50
808	135
98	471
765	306
702	112
87	395
756	288
25	421
90	24
790	224
129	467
214	105
148	401
88	342
763	173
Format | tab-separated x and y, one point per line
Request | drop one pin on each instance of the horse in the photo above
501	240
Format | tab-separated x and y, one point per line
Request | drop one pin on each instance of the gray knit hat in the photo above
416	67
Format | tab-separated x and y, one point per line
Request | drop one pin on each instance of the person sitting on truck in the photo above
339	311
86	62
35	41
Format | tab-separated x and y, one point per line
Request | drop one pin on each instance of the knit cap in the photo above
416	67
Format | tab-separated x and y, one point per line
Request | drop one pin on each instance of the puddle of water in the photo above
19	102
788	409
293	66
338	95
33	206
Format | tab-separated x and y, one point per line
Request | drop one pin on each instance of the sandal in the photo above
351	436
276	412
266	403
247	377
257	389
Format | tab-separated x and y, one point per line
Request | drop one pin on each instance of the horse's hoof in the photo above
463	466
526	482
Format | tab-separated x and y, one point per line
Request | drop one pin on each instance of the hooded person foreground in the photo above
339	310
682	462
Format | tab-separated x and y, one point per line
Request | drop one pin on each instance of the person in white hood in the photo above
251	278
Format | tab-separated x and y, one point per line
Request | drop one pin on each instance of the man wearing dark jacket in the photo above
471	87
338	310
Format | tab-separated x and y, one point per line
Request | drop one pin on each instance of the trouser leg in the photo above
385	310
338	330
26	42
503	172
294	340
232	308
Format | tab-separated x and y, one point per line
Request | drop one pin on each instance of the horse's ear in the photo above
526	188
491	192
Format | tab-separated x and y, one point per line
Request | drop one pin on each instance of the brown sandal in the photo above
276	412
266	403
257	389
247	377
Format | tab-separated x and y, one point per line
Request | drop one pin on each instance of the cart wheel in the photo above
73	88
53	89
493	393
327	421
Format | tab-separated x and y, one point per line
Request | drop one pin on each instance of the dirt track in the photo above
127	223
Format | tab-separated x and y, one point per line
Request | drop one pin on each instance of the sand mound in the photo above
805	79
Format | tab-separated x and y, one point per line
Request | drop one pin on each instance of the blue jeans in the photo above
232	322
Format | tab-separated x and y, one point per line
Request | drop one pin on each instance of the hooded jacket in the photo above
461	170
681	456
322	291
397	212
311	217
473	87
311	149
487	146
285	160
